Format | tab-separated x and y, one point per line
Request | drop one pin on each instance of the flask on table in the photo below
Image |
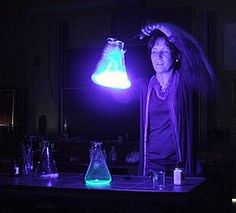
46	167
97	172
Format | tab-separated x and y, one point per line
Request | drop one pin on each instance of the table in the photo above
68	193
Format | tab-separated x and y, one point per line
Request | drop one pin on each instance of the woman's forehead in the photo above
160	43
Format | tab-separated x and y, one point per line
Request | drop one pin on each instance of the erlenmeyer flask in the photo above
46	167
111	69
97	173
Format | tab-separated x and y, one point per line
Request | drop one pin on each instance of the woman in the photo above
169	100
182	75
160	147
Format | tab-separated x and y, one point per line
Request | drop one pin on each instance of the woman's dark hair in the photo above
176	54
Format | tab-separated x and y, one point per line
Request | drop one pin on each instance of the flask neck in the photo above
97	145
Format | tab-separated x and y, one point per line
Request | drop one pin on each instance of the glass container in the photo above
111	70
97	173
46	167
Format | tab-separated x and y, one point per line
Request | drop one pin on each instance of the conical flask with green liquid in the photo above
97	173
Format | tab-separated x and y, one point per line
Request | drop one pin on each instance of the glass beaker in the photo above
27	154
158	178
46	167
97	173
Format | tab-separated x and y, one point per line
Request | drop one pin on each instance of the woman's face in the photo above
161	56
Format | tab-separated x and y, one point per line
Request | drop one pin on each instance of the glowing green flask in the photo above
97	173
111	70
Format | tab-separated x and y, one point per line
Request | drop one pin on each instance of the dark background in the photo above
48	51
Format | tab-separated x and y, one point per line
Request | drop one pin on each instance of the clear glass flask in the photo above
111	70
46	167
97	173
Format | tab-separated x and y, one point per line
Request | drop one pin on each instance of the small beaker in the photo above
158	179
27	155
27	168
46	167
97	173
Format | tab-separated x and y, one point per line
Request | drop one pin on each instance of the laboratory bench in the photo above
126	193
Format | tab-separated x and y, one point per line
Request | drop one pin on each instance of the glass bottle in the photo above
178	174
65	128
46	167
112	155
15	170
97	172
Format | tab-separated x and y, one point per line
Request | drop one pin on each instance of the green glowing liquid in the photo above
97	182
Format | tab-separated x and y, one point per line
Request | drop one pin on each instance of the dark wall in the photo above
36	36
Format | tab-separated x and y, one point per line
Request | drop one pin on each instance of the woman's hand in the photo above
149	27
